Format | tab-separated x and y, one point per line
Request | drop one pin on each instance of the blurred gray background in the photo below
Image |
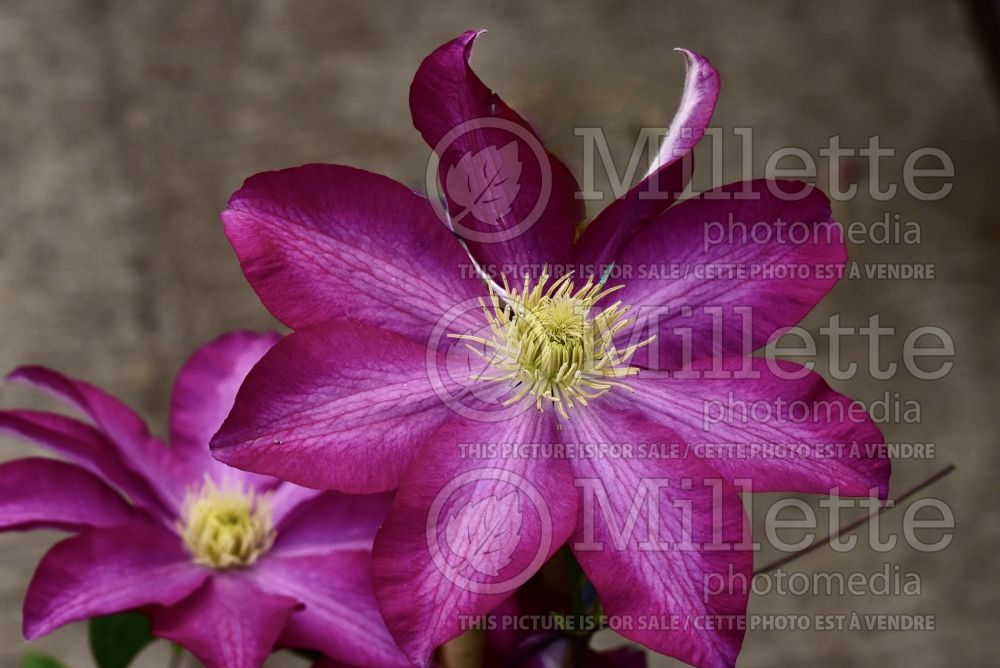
125	126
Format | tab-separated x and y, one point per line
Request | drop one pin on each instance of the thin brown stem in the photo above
857	523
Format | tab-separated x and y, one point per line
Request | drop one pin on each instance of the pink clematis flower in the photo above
227	564
359	398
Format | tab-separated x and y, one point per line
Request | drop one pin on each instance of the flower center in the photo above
549	341
226	528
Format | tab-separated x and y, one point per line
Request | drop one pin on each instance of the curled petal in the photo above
668	173
701	92
227	623
514	203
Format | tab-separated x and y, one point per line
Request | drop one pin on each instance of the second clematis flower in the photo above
570	420
227	564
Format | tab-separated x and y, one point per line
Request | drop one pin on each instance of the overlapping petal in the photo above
512	201
339	616
467	527
85	446
125	559
104	571
287	499
203	395
664	541
331	522
126	431
326	241
667	176
339	405
227	623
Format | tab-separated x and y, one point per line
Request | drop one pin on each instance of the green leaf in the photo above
117	639
39	660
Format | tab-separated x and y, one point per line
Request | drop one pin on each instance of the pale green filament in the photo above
547	342
226	528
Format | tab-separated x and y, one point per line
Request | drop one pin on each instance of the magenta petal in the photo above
125	430
667	176
753	307
203	395
227	623
287	498
326	241
47	493
339	405
85	446
339	616
330	521
688	560
464	532
512	201
104	571
778	434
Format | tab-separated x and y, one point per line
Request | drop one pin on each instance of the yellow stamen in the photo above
226	528
545	342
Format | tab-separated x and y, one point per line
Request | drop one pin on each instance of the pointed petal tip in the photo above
220	445
466	41
21	373
470	36
700	71
689	54
224	445
31	630
692	56
36	375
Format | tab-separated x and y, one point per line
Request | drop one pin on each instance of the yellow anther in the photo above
226	528
546	340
